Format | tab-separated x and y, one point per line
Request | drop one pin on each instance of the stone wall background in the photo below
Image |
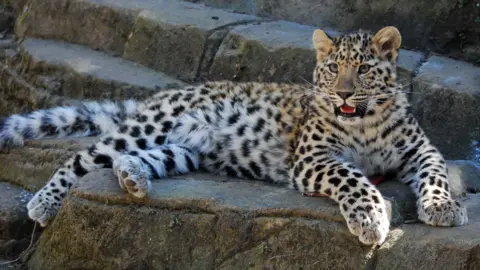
450	27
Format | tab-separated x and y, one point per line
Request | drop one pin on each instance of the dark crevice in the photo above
215	38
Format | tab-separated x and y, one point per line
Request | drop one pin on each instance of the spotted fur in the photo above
326	138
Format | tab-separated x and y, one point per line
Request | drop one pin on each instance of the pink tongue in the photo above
347	109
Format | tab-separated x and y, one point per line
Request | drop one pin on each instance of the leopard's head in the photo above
356	73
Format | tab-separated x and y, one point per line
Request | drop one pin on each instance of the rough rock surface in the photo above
44	73
225	224
440	26
170	36
32	165
166	35
446	102
15	226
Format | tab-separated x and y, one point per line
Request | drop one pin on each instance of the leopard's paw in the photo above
367	220
133	175
43	206
442	212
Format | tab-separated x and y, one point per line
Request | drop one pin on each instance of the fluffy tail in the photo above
86	119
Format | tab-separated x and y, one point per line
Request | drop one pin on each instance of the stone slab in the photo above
243	6
170	36
280	51
43	73
88	23
220	224
456	33
97	64
15	226
446	102
32	165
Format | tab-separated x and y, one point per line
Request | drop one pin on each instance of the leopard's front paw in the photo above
442	212
133	175
43	206
367	220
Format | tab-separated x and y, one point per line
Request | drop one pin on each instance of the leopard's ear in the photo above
386	43
323	44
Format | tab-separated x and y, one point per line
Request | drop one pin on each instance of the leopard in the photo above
325	138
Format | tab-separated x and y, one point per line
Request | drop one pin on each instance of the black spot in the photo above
356	195
345	188
169	164
424	175
178	110
123	129
159	116
149	129
142	143
120	145
352	182
107	140
328	192
335	181
246	148
308	159
142	118
255	168
135	131
259	126
233	119
103	159
77	167
343	172
160	139
319	167
375	199
241	130
63	182
167	125
246	173
175	97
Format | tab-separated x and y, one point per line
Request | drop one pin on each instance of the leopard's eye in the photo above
362	69
333	67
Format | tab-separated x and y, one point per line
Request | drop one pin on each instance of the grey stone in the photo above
15	226
170	36
93	63
83	22
456	33
270	51
246	6
6	44
446	102
46	73
424	247
464	177
31	166
220	223
280	51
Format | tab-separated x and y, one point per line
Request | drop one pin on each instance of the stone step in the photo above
40	69
417	20
15	226
166	35
203	222
446	102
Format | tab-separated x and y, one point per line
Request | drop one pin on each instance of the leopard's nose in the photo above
345	94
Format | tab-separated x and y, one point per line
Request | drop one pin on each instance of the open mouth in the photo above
347	111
